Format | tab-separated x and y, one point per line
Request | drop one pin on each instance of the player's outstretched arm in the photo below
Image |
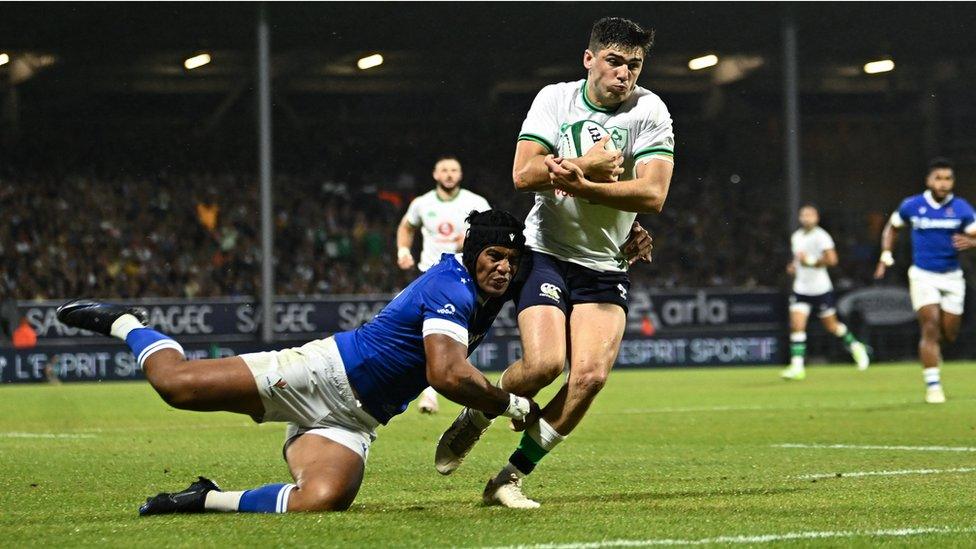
644	194
888	238
450	373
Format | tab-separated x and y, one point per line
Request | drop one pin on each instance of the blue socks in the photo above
272	498
146	341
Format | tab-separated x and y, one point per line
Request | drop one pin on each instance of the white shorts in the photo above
307	387
947	290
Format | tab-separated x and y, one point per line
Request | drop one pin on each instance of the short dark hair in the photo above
446	157
617	31
809	205
939	162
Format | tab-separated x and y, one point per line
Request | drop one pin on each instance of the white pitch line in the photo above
888	473
751	408
44	435
878	447
762	538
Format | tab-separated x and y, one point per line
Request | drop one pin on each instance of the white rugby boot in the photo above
935	395
859	352
794	373
507	493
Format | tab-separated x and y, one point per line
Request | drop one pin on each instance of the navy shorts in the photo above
823	304
563	284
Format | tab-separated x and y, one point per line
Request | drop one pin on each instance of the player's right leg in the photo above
224	384
799	314
930	352
927	299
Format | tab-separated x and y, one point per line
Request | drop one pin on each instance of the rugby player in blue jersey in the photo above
334	392
942	225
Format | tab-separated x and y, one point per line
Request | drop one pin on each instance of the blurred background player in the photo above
440	215
942	226
814	251
335	392
578	279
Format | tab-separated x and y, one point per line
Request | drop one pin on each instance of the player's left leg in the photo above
858	350
327	477
327	474
592	355
950	324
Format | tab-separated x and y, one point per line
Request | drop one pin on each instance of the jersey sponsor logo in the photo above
549	290
446	228
924	223
448	309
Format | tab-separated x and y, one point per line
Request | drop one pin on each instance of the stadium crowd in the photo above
123	212
198	234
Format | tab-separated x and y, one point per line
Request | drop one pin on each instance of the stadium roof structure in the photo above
502	47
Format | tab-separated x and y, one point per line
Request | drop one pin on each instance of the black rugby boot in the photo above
190	500
96	316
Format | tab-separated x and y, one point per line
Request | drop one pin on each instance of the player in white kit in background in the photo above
439	214
814	251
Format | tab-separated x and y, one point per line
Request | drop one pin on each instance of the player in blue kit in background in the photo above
334	392
942	225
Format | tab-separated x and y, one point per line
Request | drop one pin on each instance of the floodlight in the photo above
4	59
875	67
703	62
197	61
370	61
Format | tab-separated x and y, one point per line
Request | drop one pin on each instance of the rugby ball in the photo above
576	139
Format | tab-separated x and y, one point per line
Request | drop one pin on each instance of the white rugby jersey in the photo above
441	222
811	280
577	230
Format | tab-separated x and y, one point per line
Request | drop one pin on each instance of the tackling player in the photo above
334	392
574	302
942	225
440	215
813	251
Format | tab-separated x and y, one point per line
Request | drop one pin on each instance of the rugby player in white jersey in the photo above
943	225
813	251
440	215
574	302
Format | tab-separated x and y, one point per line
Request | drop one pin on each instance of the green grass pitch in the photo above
664	457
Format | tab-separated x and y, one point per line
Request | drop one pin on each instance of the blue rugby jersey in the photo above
385	359
933	225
